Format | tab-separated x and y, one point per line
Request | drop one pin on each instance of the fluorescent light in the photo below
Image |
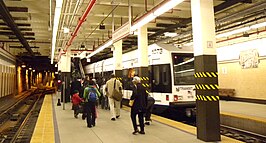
152	15
244	29
105	45
258	25
167	6
233	32
55	26
66	30
143	21
170	34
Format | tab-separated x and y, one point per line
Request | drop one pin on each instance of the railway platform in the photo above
245	116
57	125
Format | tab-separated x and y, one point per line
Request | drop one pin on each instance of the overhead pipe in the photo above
81	20
11	23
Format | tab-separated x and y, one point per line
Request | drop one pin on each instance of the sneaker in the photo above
118	116
147	123
135	132
76	116
142	132
113	119
83	117
89	126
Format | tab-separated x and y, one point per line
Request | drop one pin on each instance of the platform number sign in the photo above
209	44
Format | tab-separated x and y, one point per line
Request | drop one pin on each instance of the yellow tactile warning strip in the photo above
44	129
184	127
257	119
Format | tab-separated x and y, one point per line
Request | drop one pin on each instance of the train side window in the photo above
165	76
156	75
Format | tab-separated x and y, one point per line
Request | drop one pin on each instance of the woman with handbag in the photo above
139	95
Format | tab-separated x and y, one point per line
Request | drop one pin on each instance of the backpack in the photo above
92	96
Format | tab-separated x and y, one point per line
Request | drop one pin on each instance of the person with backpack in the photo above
90	95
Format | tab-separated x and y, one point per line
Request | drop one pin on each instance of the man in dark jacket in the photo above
75	85
139	106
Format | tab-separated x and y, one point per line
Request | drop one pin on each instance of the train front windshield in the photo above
183	65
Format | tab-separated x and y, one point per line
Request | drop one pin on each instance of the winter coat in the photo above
139	95
76	99
110	86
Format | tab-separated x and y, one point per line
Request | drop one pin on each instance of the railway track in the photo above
242	135
231	132
17	124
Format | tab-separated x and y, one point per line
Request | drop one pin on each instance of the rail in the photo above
23	124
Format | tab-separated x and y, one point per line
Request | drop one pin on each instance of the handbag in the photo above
116	95
131	102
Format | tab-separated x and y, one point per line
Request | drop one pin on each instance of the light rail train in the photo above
171	74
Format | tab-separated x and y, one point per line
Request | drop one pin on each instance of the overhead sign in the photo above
121	32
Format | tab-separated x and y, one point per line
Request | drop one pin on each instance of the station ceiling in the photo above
26	25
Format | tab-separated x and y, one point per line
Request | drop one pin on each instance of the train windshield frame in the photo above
183	68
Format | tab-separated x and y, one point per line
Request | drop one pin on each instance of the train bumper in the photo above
185	104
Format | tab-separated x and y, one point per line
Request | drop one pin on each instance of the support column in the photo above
65	66
208	114
118	59
143	56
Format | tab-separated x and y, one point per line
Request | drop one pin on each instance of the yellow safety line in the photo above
184	127
257	119
44	129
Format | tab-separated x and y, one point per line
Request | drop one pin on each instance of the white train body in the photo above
163	86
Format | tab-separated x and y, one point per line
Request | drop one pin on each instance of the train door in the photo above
160	79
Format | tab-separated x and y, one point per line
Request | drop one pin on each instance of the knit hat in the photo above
76	91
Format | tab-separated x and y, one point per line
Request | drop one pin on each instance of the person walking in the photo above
90	95
150	104
75	85
76	100
114	105
139	95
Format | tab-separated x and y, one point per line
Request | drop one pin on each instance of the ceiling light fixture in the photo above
241	30
155	13
66	30
170	34
57	15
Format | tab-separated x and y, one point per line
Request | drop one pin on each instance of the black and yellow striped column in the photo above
143	56
207	104
144	76
207	99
